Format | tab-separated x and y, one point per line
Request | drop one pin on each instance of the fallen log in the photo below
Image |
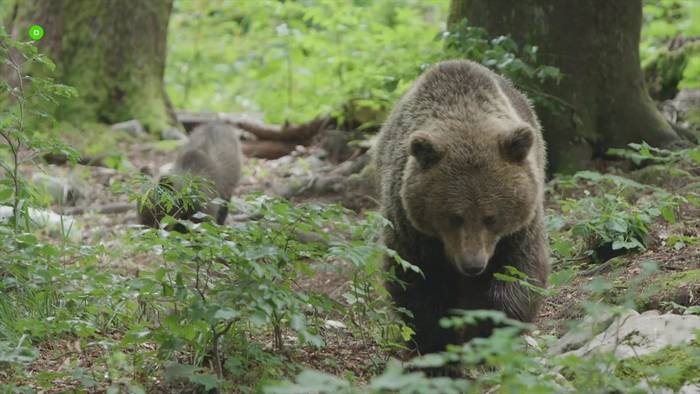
300	134
267	149
268	141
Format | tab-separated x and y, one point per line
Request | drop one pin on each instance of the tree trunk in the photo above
111	51
595	44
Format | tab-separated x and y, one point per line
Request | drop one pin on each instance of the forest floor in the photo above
676	280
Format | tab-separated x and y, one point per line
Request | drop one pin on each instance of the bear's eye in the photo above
456	220
488	221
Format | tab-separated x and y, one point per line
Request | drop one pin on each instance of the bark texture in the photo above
111	51
595	44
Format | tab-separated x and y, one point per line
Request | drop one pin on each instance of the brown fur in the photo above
214	154
461	161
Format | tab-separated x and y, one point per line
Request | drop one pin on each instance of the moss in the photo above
664	71
99	48
673	366
6	9
693	116
679	287
148	106
91	139
683	278
693	119
654	291
654	174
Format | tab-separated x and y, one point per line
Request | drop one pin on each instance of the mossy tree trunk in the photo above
595	44
111	51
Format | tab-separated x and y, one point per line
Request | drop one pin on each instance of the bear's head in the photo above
470	189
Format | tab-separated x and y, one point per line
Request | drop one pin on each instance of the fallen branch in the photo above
107	209
267	149
61	159
300	135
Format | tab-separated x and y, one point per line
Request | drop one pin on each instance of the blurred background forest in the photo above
287	295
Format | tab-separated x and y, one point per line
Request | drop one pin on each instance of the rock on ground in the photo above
632	334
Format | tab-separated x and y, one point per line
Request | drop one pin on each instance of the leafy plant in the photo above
509	362
503	55
646	154
615	216
297	60
222	284
349	59
22	100
666	21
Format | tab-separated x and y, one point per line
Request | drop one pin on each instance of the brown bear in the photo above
213	153
461	164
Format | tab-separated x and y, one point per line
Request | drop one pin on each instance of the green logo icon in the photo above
36	32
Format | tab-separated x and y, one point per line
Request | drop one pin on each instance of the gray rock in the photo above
687	100
687	389
283	161
62	190
591	326
173	134
133	127
166	169
306	166
55	224
637	335
690	389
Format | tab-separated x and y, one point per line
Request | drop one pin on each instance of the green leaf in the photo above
174	371
6	193
209	381
669	214
226	314
694	155
310	381
562	277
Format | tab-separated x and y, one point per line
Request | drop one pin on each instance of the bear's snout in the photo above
472	265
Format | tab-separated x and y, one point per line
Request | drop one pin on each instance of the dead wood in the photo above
267	149
61	159
299	135
107	209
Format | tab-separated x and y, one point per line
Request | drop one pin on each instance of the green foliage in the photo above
611	214
506	362
19	102
210	298
174	195
645	154
665	20
501	54
616	212
509	362
670	367
205	294
297	60
366	298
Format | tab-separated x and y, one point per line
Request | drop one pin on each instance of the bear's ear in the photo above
425	149
516	145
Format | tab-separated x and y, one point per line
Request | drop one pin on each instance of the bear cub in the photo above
213	153
461	162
